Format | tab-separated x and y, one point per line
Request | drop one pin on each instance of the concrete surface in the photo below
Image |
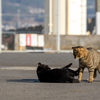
68	41
32	59
24	85
18	83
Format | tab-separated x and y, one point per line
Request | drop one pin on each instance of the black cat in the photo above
61	75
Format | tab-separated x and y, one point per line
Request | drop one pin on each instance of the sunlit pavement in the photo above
31	59
18	79
19	84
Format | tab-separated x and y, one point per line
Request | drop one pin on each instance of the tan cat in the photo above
88	58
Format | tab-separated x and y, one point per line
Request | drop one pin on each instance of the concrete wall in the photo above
68	41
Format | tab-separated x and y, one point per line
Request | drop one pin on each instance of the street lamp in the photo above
18	18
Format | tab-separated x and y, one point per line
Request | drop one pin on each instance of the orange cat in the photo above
88	58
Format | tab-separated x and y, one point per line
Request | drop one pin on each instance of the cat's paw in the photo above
79	80
90	81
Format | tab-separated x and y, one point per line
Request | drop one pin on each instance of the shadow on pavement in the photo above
25	80
37	81
85	81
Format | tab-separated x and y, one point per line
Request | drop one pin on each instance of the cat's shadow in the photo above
37	81
85	81
25	80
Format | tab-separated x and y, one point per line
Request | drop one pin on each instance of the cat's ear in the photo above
73	47
39	64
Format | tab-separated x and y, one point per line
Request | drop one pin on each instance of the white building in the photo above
72	17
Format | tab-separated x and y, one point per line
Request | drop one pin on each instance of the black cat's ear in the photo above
39	64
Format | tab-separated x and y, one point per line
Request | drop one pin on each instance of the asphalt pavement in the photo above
18	79
32	59
24	85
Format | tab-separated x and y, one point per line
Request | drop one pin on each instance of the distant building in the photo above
72	17
91	16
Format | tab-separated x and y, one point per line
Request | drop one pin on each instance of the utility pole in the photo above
0	25
58	34
50	19
98	17
18	18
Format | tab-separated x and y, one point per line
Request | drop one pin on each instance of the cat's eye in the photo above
76	51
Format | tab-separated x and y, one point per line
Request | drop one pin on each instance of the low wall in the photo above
68	41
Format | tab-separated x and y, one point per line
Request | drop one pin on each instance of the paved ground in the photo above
32	59
22	84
